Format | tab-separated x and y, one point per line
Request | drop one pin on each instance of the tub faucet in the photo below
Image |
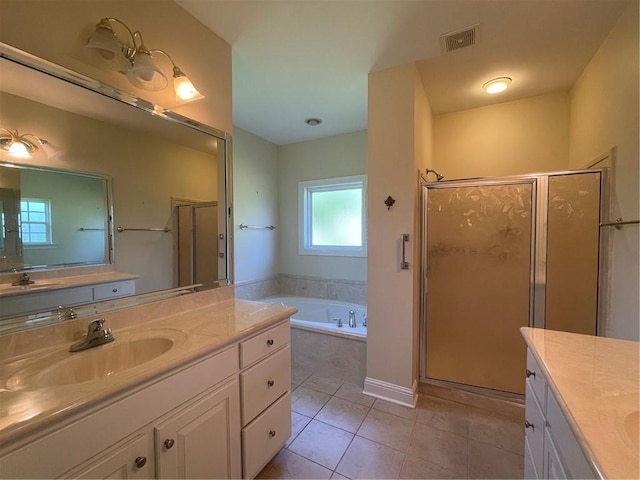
352	319
96	335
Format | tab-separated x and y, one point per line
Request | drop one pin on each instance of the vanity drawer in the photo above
264	383
267	434
536	380
114	290
534	433
261	345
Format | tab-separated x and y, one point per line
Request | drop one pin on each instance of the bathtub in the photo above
317	315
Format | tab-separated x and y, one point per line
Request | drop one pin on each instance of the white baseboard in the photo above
391	392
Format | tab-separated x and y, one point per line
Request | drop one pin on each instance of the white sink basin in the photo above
66	368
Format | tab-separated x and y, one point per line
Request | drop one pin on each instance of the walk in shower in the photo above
500	254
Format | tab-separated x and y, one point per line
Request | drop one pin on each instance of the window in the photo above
332	217
35	216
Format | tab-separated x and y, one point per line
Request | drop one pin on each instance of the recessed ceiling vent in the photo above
466	37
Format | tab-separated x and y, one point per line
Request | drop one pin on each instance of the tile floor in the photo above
337	432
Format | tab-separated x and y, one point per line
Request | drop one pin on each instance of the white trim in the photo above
390	392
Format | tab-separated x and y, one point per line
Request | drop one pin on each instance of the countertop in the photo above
596	381
196	332
50	284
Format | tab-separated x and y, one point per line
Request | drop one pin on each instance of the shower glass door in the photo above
478	285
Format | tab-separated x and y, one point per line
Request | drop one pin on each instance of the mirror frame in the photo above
28	60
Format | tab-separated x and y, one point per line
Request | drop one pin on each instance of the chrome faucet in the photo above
25	280
352	319
364	322
96	335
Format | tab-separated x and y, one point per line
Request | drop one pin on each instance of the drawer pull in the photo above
530	373
528	424
168	443
115	290
270	383
272	433
141	462
270	342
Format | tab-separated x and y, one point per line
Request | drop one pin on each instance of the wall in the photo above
255	199
57	30
337	156
398	117
604	114
512	138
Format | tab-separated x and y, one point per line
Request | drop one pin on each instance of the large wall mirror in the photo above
118	182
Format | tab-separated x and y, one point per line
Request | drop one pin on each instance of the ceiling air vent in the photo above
466	37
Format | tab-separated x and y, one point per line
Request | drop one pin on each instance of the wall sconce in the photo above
105	49
19	146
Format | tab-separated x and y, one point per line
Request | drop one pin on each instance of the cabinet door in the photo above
552	466
130	460
202	440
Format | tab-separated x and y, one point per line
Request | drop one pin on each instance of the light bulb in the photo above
496	85
19	150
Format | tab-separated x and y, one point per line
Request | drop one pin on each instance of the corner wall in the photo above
604	114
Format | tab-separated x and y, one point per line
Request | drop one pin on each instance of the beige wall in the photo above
398	117
146	171
604	114
337	156
57	30
255	165
513	138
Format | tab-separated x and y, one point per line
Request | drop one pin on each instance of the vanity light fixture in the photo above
496	85
105	49
19	146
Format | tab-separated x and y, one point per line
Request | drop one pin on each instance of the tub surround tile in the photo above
328	385
343	414
308	402
331	289
387	429
353	393
322	443
291	466
487	461
367	459
257	289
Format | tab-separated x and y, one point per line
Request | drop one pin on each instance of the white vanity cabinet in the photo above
49	299
551	449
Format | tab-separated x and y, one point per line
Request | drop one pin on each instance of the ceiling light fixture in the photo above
496	85
20	146
313	122
106	50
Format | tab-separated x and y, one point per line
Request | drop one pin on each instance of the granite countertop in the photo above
197	327
596	381
48	284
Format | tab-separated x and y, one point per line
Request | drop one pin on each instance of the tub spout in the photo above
352	319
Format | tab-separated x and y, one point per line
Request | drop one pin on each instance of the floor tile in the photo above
353	393
328	385
387	429
395	409
499	431
308	402
299	375
487	461
414	467
289	465
367	459
343	414
322	443
336	475
298	422
444	415
443	448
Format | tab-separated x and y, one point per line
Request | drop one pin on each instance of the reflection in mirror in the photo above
133	188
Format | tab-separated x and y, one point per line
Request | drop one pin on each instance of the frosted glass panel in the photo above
478	284
336	218
572	252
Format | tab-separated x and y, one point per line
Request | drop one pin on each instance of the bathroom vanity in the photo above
192	387
582	401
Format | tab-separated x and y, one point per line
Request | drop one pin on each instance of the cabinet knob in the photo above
270	383
270	342
141	462
115	290
528	424
530	373
272	433
168	443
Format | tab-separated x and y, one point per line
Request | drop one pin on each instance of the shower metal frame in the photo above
539	228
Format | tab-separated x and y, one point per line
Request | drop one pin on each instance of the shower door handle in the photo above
404	238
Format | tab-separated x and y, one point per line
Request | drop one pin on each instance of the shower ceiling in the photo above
294	59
